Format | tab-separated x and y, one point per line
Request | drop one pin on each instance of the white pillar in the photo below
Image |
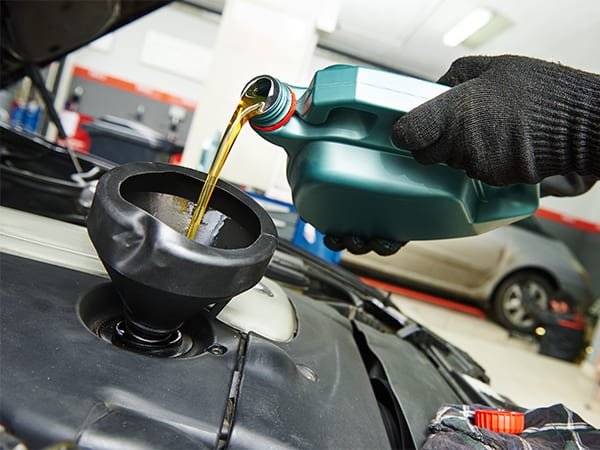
274	37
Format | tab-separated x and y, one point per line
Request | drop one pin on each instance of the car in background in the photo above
492	269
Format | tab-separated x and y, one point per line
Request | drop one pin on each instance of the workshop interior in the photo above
210	240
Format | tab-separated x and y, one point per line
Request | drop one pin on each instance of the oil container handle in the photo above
363	101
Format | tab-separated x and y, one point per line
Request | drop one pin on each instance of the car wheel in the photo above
508	300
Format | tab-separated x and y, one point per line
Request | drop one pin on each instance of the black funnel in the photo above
137	224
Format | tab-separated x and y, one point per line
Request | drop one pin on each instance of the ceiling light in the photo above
467	27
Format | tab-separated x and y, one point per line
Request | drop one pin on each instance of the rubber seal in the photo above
283	121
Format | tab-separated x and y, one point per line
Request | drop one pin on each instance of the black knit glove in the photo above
360	246
509	119
570	185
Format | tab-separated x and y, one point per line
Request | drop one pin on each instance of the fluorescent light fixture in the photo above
467	27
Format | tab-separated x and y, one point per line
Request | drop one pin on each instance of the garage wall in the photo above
185	37
187	32
584	207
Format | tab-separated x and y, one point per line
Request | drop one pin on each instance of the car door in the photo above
456	264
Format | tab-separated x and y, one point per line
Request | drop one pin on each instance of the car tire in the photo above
507	303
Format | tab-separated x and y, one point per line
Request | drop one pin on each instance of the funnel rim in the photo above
132	242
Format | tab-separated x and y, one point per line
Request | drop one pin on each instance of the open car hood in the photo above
40	32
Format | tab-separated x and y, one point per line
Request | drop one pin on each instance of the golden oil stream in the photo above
249	106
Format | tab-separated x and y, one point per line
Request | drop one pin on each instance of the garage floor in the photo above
513	364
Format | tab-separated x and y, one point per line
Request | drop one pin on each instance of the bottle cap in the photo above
500	421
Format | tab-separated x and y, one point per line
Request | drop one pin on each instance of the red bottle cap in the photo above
500	421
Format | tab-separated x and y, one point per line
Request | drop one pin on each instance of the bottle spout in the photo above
263	86
279	99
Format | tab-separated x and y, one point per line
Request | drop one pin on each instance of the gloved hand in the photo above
570	185
509	119
360	246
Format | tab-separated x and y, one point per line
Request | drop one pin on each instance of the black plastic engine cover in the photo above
311	393
59	382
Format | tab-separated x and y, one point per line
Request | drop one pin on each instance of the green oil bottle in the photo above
348	178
